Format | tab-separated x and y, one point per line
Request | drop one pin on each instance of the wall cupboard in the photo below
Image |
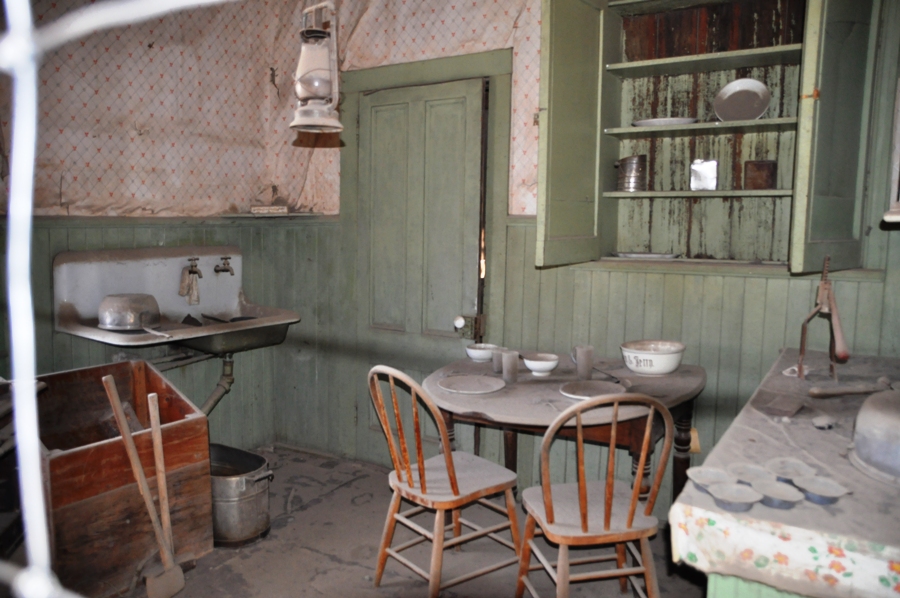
606	64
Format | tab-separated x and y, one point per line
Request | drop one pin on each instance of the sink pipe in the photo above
223	387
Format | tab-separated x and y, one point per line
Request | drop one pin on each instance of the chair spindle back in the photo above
396	435
614	401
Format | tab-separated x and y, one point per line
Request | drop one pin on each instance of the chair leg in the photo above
649	569
513	520
457	525
437	555
562	572
525	555
620	563
386	536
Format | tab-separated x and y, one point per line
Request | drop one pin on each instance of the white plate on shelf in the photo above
742	99
661	122
471	385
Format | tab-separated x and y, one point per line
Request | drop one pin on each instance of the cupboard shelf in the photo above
717	61
762	125
687	193
639	7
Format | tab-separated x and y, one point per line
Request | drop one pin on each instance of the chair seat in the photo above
475	476
567	524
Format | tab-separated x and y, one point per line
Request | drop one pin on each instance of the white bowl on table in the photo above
652	357
541	364
480	352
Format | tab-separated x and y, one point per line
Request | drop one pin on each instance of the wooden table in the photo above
849	548
532	403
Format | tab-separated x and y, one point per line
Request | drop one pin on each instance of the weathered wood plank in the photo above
729	367
599	306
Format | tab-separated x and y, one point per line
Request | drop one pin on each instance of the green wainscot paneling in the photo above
279	263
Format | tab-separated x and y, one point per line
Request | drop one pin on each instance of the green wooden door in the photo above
573	224
419	210
831	136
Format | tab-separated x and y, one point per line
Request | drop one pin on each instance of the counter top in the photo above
850	548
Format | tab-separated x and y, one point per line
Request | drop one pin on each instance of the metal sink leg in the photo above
223	387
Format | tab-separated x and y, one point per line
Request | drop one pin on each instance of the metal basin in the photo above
252	336
222	322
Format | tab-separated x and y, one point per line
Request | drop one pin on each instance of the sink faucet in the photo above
194	270
190	286
224	266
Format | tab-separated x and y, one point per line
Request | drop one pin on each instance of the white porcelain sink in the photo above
223	322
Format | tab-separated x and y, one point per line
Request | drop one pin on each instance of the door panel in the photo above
389	179
835	79
419	198
577	99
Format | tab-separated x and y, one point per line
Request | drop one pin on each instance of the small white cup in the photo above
583	356
497	359
510	366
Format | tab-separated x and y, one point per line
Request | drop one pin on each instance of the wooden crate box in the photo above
100	529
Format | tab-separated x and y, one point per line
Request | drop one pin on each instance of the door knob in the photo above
471	327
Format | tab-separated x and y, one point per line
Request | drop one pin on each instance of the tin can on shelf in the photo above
632	173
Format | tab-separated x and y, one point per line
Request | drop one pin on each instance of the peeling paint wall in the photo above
188	115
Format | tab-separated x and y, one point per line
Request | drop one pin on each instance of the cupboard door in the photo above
831	137
573	224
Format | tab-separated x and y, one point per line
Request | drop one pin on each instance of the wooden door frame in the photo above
496	66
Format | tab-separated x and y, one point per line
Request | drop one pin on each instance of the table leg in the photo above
451	430
510	449
477	440
645	480
682	458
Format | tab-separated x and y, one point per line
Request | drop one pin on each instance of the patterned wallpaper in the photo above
188	115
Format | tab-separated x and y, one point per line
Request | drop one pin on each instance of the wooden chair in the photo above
562	510
446	482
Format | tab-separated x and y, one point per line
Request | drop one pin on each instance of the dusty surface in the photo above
537	401
761	432
327	516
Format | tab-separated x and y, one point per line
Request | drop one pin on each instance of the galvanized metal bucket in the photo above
240	492
632	173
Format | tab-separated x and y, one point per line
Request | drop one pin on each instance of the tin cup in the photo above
510	361
583	356
497	359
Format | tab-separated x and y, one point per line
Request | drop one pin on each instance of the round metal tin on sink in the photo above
777	495
822	491
704	477
788	468
734	497
747	473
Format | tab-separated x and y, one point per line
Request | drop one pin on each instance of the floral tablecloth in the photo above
787	557
848	548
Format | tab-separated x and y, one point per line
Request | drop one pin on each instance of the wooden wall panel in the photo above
309	391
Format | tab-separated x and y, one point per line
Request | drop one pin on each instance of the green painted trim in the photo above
729	586
761	125
424	72
715	61
700	267
691	194
723	268
640	7
497	200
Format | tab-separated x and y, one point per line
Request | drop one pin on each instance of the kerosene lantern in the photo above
316	79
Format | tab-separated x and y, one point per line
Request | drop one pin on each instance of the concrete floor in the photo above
327	516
